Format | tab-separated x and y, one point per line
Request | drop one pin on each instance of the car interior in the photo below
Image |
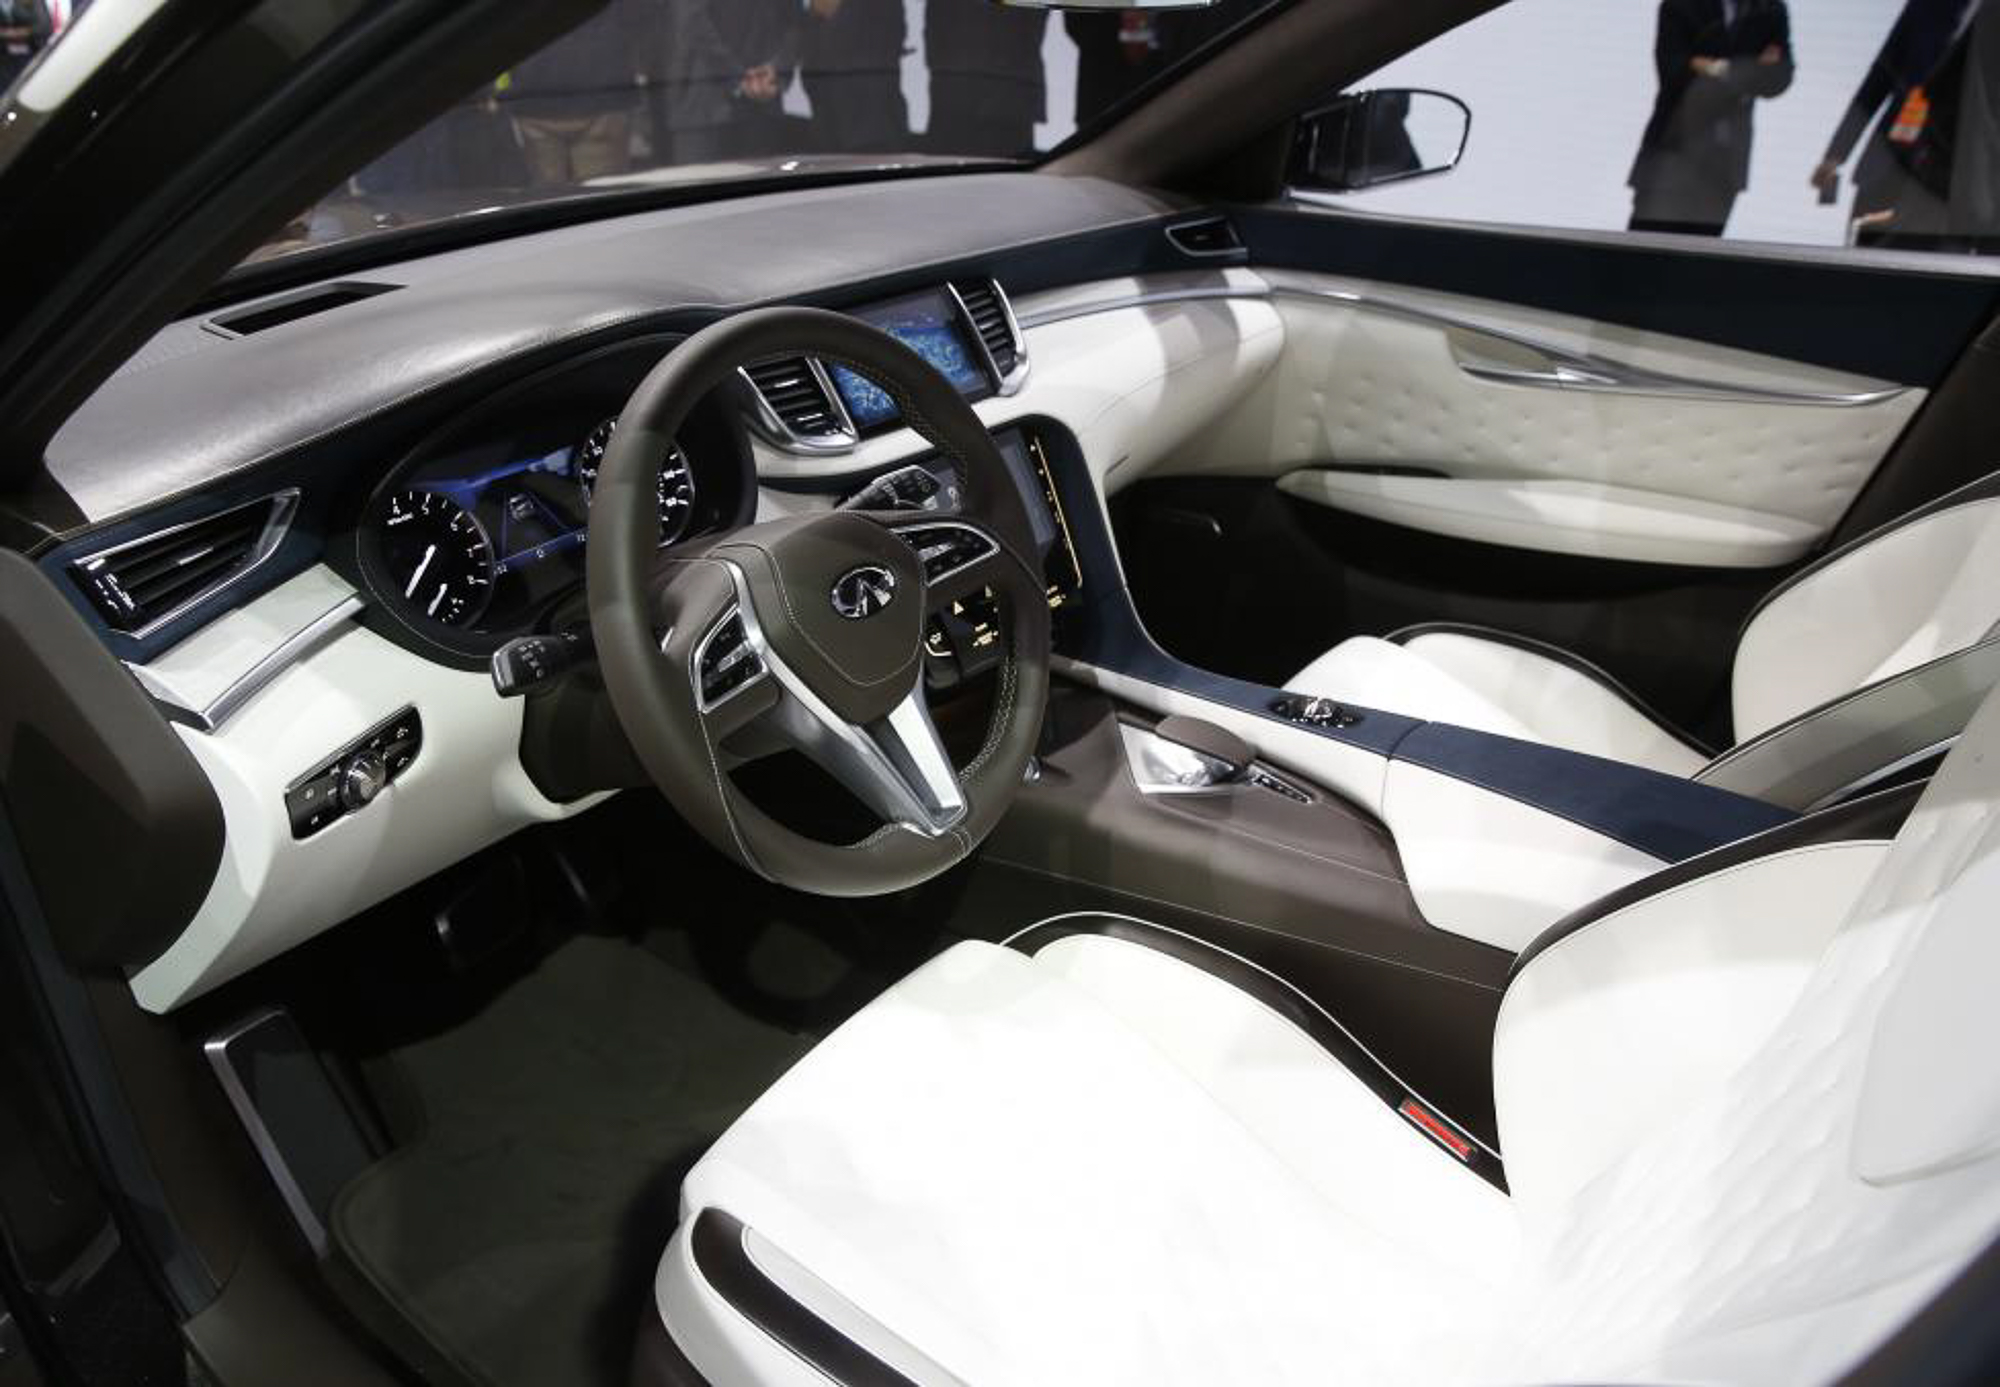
1087	771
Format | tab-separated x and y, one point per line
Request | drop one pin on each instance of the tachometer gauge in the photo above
676	481
437	555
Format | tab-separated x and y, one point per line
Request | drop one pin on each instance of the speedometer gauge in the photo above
437	554
676	481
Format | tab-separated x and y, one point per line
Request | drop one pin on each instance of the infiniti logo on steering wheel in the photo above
861	592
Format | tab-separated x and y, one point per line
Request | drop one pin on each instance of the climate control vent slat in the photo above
141	585
986	306
801	402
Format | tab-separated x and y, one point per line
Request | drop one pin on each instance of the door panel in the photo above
1611	442
1518	426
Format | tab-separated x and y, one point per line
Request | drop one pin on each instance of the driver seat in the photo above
1750	1113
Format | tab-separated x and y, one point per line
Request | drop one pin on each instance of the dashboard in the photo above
381	495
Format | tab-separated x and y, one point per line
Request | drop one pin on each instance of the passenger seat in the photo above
1916	599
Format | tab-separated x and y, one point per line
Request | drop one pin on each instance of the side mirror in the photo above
1365	139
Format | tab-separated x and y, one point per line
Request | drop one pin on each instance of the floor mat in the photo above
520	1230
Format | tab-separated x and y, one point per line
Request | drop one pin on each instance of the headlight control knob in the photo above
362	778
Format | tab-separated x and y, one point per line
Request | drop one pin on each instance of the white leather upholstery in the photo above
1487	866
1565	517
1361	387
1917	592
1908	596
1102	1165
1098	1166
1494	687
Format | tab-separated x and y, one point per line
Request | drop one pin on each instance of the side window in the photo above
1828	122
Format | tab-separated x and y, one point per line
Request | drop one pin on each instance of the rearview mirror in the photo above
1366	139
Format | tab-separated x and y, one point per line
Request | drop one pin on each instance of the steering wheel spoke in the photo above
895	764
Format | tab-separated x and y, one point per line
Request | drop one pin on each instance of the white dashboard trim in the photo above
465	791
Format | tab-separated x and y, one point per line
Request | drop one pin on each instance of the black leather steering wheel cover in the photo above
633	591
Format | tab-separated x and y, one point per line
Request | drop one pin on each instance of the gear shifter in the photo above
1181	755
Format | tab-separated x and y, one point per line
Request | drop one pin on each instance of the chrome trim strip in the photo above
275	1164
781	434
252	681
701	699
1011	383
1239	251
284	506
1138	742
834	397
1567	370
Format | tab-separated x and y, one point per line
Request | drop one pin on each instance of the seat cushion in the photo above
1496	686
1097	1165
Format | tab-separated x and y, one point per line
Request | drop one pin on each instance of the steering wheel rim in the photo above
845	689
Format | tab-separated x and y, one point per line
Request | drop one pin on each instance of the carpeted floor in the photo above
519	1229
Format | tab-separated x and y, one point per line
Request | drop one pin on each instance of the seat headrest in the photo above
1930	1095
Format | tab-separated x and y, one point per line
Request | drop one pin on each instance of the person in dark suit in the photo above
1716	59
987	87
1917	45
723	68
852	65
1120	51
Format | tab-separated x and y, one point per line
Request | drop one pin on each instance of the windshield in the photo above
674	92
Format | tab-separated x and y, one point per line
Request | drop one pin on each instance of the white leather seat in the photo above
1922	588
1091	1160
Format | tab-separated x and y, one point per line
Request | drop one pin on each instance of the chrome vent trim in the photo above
996	330
796	406
140	586
1208	238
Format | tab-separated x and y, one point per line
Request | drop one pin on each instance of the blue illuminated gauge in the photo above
437	555
676	481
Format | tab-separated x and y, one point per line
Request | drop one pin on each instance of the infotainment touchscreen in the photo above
928	323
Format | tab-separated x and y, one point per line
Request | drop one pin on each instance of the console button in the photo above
314	802
1314	712
363	778
353	777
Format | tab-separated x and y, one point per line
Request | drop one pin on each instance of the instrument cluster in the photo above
479	540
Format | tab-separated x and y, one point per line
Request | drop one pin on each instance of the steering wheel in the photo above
808	632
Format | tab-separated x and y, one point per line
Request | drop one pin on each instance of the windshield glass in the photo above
665	92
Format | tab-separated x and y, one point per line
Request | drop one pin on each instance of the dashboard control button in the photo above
314	803
726	661
362	778
355	776
1314	712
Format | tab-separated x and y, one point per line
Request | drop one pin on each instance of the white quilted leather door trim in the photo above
1725	478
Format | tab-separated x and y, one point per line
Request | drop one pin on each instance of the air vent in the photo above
1209	239
262	317
986	305
799	403
141	585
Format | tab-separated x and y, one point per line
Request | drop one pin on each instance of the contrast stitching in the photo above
997	733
